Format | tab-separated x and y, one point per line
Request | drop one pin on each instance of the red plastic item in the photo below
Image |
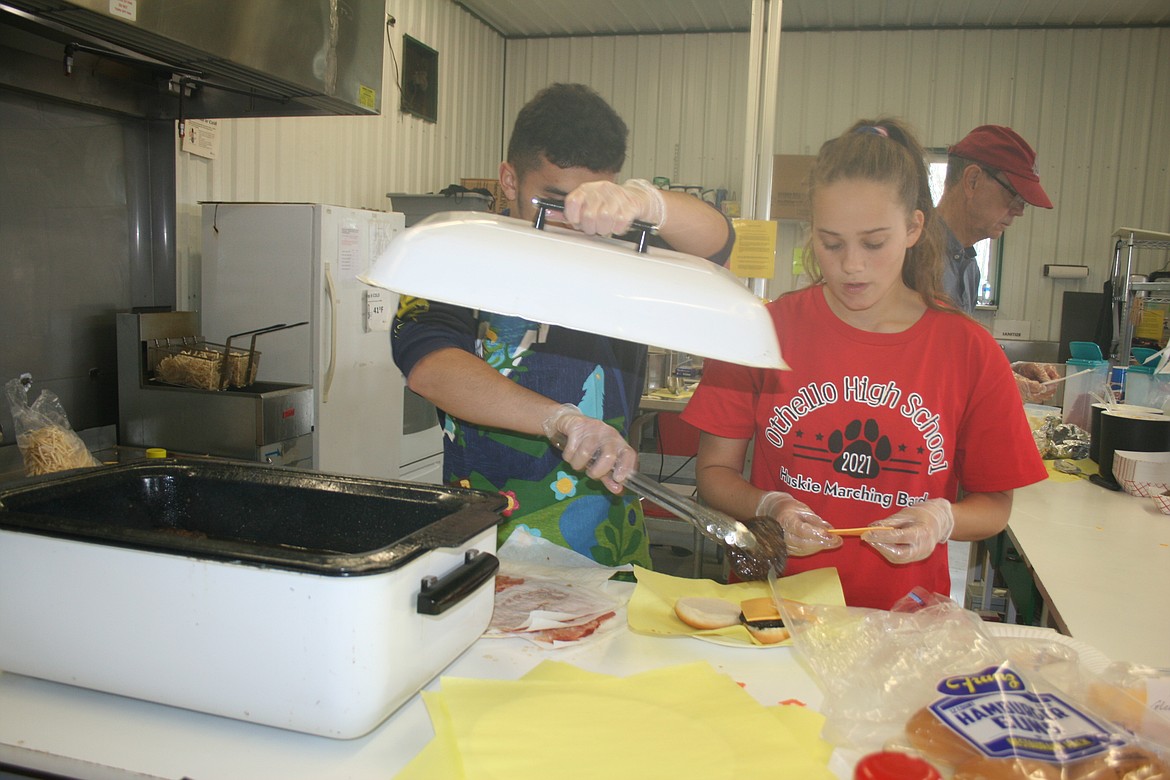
890	765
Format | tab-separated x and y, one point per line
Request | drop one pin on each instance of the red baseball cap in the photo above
1002	148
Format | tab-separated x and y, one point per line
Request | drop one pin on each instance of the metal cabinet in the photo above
1003	568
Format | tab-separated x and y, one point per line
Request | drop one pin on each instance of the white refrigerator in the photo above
270	263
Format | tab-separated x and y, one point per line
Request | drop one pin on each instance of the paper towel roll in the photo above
1059	271
1130	430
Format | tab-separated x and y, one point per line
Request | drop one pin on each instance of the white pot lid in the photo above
599	285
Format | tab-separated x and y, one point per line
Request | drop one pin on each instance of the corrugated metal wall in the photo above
355	160
683	97
1094	103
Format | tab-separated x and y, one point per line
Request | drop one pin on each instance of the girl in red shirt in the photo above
895	405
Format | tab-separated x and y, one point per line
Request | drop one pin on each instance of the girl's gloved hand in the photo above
592	446
608	209
915	531
804	532
1030	378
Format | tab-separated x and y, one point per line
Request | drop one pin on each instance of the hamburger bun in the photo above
937	741
983	768
763	621
1121	763
706	614
1129	762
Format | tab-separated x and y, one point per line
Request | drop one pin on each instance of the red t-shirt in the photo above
866	423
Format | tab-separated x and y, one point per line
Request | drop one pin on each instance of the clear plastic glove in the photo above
607	209
1030	378
592	446
804	531
914	531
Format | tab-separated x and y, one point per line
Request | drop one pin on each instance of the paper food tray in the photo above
1144	474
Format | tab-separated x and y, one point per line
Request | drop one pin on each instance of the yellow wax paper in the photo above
651	608
683	721
1086	465
802	724
440	758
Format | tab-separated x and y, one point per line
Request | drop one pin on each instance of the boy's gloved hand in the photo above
592	446
804	532
607	209
916	531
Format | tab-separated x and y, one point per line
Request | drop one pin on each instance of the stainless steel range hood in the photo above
169	59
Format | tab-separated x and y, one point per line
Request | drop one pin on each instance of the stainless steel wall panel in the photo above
324	57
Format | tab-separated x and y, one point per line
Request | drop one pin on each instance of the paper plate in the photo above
1090	657
730	641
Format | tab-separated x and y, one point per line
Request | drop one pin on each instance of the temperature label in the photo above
377	311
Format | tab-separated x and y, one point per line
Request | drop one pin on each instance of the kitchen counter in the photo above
1101	560
80	733
663	403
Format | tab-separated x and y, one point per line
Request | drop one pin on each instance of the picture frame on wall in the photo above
420	80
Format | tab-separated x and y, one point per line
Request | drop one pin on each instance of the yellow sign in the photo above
367	97
754	253
1150	325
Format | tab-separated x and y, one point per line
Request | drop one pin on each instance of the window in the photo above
988	252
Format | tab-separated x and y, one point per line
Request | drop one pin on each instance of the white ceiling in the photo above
557	18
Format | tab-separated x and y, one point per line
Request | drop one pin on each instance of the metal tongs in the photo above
752	554
715	525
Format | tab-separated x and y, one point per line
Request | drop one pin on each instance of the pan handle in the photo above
438	595
269	329
227	351
545	205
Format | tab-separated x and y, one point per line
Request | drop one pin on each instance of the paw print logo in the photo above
860	448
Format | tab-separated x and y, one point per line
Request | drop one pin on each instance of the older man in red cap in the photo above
991	177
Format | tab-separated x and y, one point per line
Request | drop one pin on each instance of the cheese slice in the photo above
762	608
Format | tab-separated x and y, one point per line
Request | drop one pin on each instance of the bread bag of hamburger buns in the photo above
929	677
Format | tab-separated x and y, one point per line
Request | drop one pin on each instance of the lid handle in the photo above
545	205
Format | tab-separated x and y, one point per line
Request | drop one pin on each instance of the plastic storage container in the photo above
1141	386
1080	389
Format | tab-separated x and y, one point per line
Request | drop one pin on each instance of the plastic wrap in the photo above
927	677
46	441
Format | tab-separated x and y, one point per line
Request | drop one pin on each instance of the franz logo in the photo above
994	712
989	680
